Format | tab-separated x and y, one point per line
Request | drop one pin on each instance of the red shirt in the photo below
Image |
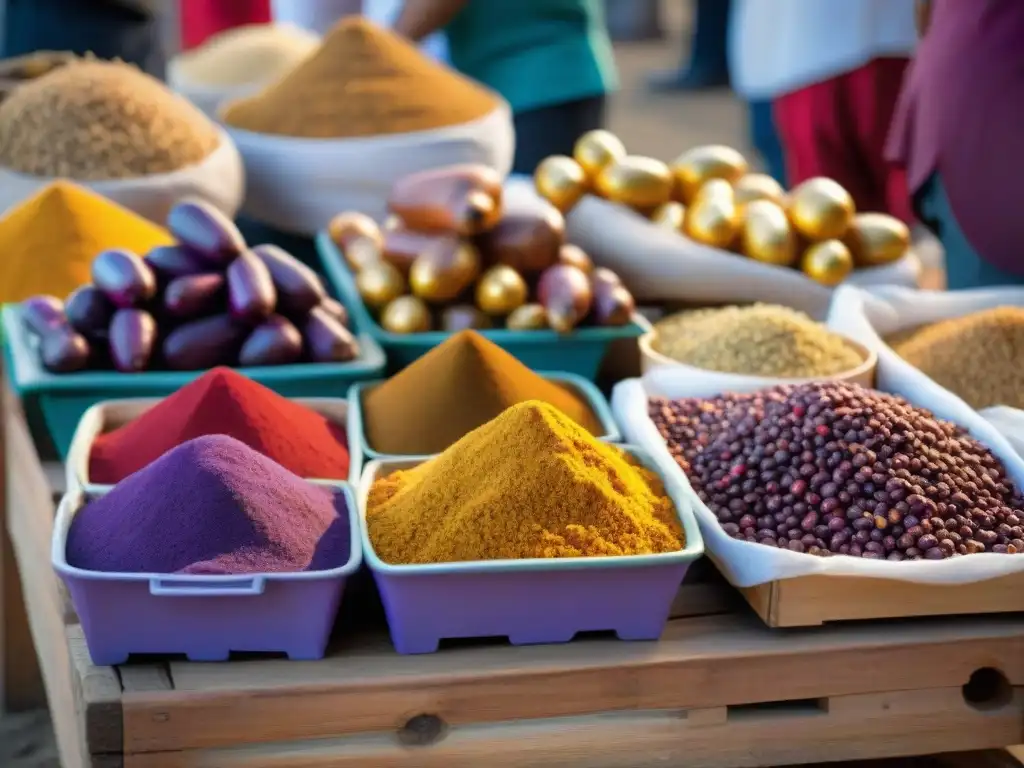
201	19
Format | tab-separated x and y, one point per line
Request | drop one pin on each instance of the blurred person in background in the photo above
386	12
314	15
110	29
551	60
201	19
956	132
832	72
705	64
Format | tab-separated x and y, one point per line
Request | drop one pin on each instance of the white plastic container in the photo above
219	179
298	184
109	415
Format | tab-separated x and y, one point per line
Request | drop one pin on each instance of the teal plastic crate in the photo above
579	352
59	400
587	391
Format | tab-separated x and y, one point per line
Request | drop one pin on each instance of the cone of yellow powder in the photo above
48	242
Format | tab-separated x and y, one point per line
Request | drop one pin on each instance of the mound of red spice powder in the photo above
212	506
224	402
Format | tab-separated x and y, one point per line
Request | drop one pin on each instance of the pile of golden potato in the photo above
710	195
453	255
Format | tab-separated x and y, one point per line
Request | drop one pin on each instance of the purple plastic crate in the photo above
204	617
528	601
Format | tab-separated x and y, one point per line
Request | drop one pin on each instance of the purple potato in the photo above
89	311
202	227
171	261
132	339
299	288
125	278
251	293
327	340
204	343
43	314
275	342
335	309
64	350
195	295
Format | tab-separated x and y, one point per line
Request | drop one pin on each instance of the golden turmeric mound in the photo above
363	81
453	389
48	242
529	484
91	120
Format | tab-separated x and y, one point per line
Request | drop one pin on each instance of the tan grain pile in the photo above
979	357
92	120
362	81
757	340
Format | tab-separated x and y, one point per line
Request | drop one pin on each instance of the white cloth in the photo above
315	15
779	46
385	13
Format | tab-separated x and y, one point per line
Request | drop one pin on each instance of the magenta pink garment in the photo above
961	113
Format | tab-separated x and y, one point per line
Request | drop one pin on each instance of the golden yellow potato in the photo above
820	209
596	150
441	275
877	238
406	314
528	317
828	262
692	169
758	186
767	236
712	218
561	181
501	290
671	216
379	283
638	182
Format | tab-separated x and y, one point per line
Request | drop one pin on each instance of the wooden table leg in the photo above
21	684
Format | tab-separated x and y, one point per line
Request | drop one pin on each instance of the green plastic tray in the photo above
55	403
591	394
579	352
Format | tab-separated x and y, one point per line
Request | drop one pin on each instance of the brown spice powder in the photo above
362	81
453	389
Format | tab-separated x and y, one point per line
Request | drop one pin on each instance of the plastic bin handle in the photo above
172	587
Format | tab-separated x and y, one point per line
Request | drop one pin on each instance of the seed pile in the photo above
834	468
978	356
757	340
253	53
93	120
362	81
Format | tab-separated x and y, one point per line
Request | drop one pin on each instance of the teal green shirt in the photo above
535	53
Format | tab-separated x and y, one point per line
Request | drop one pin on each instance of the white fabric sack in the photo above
869	315
219	180
658	265
297	184
747	564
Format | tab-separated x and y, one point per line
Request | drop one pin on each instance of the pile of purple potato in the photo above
208	300
837	469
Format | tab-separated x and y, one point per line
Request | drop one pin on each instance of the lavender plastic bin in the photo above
203	617
528	601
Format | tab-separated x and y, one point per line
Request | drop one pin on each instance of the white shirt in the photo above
385	13
779	46
315	15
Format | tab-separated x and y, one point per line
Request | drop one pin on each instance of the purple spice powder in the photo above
211	506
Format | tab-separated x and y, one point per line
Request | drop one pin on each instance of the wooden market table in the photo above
720	689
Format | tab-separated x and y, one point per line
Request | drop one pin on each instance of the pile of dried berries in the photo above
834	468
